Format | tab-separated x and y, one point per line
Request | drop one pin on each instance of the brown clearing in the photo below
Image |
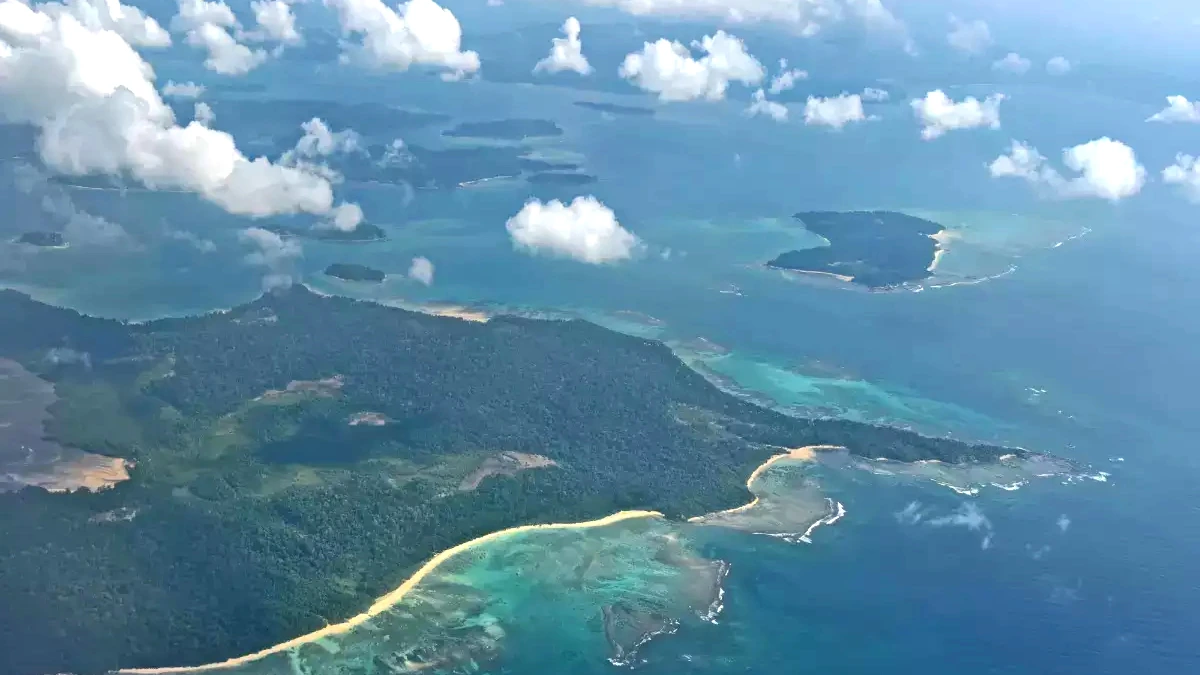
504	464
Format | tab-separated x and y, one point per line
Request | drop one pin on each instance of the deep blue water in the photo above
1106	324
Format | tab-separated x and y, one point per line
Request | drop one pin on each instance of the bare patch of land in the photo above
504	464
329	386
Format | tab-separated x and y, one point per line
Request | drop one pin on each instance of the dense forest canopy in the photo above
298	456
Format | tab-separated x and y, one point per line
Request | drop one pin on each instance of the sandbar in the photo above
88	471
393	598
455	312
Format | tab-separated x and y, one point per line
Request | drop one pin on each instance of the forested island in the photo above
42	239
561	178
506	130
876	249
363	233
354	272
616	108
298	456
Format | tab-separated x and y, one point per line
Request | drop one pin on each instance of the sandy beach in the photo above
807	453
391	599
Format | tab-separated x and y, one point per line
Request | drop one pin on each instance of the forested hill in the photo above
262	506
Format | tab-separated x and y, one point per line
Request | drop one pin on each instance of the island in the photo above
560	178
530	164
354	272
616	108
365	232
876	249
42	239
506	130
292	459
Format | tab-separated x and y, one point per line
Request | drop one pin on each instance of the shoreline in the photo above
392	598
807	453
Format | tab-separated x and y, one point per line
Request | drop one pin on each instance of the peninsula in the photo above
876	249
266	509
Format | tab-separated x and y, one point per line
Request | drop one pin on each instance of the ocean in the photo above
1082	345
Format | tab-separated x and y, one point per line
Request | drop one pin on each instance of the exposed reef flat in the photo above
876	249
507	130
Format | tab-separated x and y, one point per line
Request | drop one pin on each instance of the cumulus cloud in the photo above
275	254
321	141
968	515
129	22
275	22
1178	109
938	113
835	111
204	114
786	79
1102	168
911	514
421	271
669	69
566	53
1058	66
226	56
194	13
1185	173
759	105
173	89
804	16
1063	523
94	101
969	37
1012	63
418	32
584	230
876	95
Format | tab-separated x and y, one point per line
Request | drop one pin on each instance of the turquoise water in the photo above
1085	349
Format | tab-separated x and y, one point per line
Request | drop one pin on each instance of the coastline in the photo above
806	453
392	598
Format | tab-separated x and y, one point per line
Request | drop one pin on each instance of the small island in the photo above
42	239
560	178
365	232
354	272
616	109
530	164
876	249
505	130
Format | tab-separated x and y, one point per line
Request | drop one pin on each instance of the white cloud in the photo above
275	22
420	33
320	141
173	89
226	55
127	21
421	270
876	95
967	515
1013	63
969	37
786	79
761	106
204	114
938	113
1103	168
669	70
835	111
276	254
195	13
585	230
94	101
911	514
804	16
346	218
1185	173
1178	109
1058	66
566	53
